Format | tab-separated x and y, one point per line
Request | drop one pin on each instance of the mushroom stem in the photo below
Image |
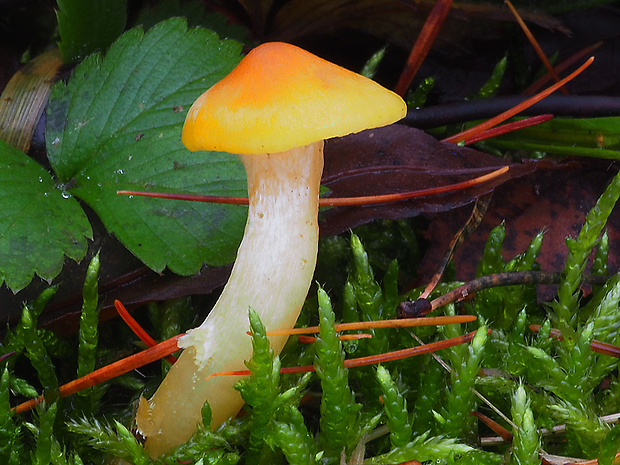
272	273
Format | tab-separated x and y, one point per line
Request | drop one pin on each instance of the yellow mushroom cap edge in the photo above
280	97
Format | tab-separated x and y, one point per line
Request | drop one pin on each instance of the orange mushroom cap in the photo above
280	97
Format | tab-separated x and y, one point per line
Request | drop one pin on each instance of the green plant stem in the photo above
395	407
565	307
526	440
339	411
460	400
89	320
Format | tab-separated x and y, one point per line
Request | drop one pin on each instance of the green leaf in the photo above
372	65
117	126
492	259
417	97
40	223
490	88
87	26
23	388
196	14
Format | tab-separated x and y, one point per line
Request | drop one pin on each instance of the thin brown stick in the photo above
421	307
480	208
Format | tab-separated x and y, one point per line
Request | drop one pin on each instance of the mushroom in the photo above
274	111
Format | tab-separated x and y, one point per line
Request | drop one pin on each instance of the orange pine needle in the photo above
509	127
169	346
361	325
389	198
597	346
423	44
494	426
7	355
335	202
120	367
343	337
562	67
410	352
536	45
225	200
371	359
352	337
469	133
137	329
